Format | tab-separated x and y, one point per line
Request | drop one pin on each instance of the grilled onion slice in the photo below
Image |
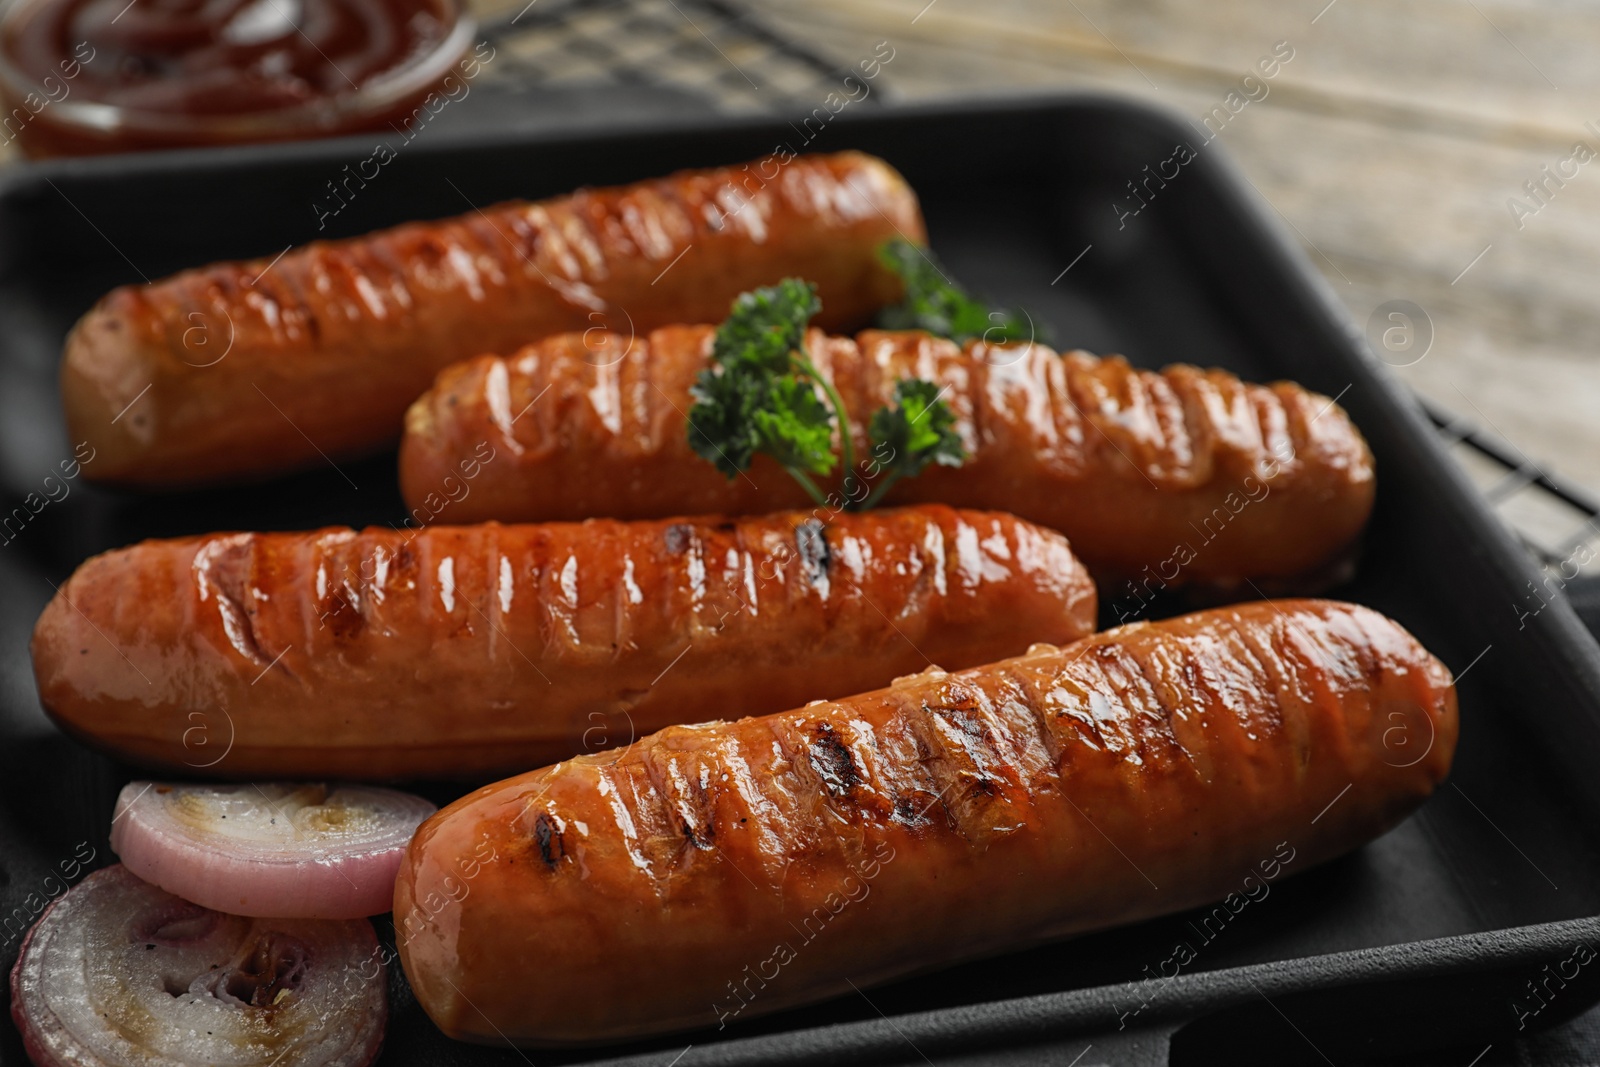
297	851
121	973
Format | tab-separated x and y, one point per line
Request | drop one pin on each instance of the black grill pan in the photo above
1439	932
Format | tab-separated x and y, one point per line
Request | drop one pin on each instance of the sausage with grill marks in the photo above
248	369
456	652
713	873
1185	475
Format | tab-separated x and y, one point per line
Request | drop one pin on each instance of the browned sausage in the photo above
1186	475
717	872
476	651
249	369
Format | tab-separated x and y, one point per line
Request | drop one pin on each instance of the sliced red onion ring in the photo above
269	850
120	973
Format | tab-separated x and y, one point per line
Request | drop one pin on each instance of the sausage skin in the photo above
1185	475
474	652
248	369
717	872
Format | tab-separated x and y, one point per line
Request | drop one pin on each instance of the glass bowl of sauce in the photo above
87	76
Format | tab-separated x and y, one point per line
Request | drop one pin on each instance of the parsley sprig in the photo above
935	303
760	396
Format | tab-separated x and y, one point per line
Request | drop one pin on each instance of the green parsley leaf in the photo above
795	428
767	326
935	303
722	421
918	430
760	396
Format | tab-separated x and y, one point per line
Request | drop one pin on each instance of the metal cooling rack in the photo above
711	49
1571	556
1518	475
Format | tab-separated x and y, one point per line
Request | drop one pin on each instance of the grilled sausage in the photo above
717	872
242	370
1158	478
484	650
